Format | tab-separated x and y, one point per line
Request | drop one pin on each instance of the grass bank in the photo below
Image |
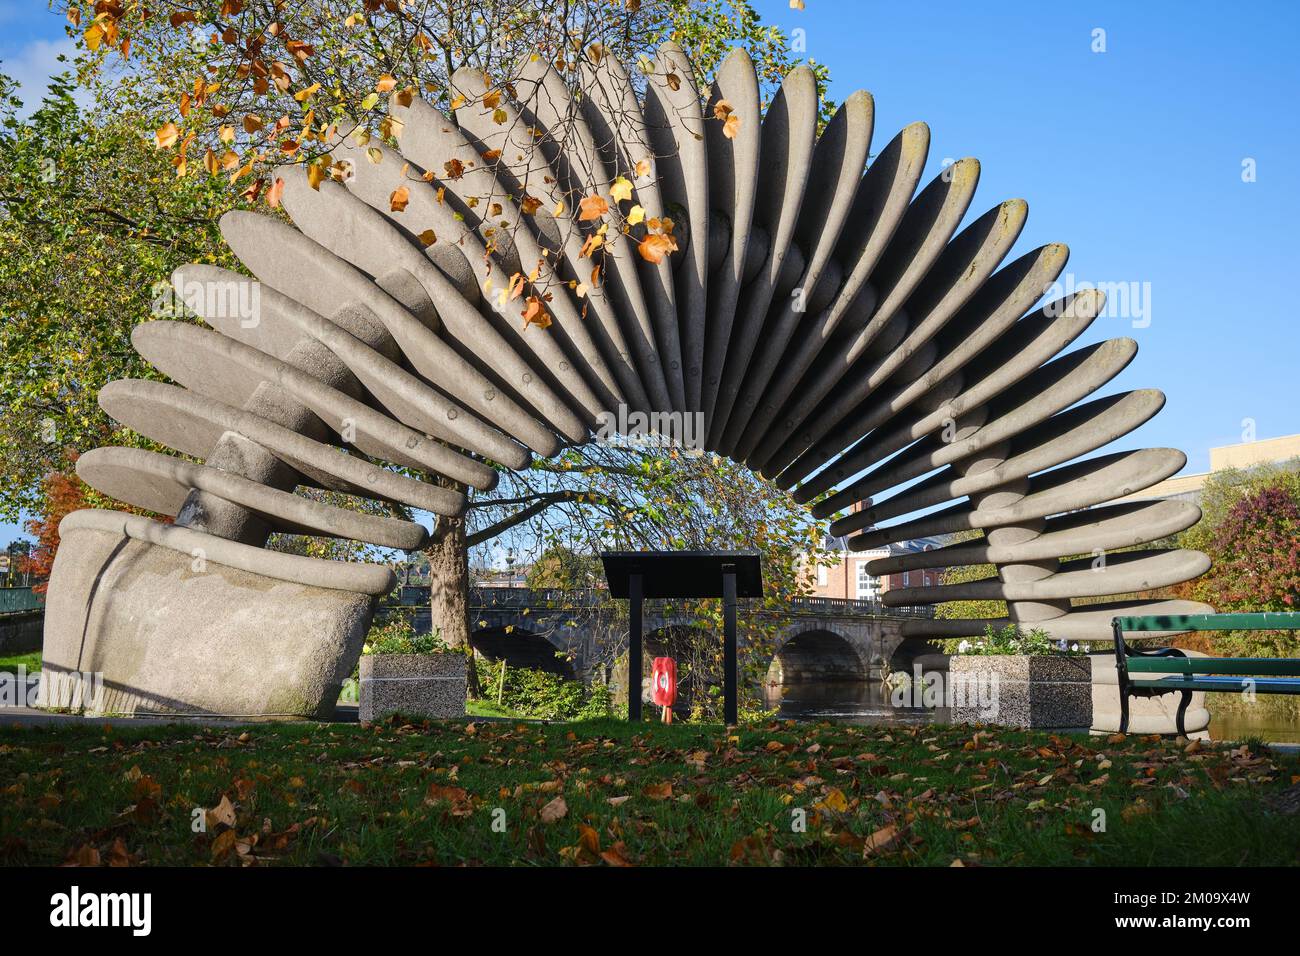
9	663
609	793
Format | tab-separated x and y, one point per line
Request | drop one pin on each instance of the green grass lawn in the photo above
609	793
9	663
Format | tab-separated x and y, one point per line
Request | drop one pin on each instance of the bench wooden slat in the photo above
1254	621
1269	666
1261	685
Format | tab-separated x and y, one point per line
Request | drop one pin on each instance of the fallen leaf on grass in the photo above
223	844
557	809
1138	809
834	800
880	841
223	814
86	855
616	855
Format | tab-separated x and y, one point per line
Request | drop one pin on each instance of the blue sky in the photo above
1132	156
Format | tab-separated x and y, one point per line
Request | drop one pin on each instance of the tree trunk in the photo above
448	555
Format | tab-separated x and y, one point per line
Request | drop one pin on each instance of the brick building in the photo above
848	576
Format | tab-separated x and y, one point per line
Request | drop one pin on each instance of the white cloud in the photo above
34	64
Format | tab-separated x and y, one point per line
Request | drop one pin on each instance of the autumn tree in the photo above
1251	531
964	574
254	85
564	568
92	222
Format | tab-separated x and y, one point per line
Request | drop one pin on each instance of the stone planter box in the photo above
417	685
1026	691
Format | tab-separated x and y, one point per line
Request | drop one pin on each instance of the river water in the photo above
867	703
847	702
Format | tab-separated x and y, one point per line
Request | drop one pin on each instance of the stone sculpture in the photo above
835	333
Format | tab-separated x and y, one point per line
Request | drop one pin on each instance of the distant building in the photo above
1246	455
849	578
515	577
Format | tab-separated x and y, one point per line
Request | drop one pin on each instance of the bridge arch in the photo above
520	647
817	653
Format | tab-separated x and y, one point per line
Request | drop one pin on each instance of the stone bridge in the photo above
576	632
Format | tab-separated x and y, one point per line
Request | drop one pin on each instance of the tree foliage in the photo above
1251	531
964	574
92	222
248	86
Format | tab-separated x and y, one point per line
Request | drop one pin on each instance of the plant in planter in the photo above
414	674
1020	679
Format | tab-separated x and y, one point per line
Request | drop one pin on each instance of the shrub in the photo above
540	694
1012	640
397	636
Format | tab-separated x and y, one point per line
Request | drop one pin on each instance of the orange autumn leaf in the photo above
166	136
427	238
386	83
274	193
399	198
589	839
592	207
654	248
530	205
722	110
535	313
516	288
616	855
880	841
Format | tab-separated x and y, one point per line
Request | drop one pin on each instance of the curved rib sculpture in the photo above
670	253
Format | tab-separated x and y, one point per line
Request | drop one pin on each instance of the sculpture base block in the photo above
1030	692
416	685
160	631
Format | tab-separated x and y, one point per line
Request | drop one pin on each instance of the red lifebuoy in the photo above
663	678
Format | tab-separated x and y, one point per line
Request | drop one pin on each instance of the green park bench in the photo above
1262	675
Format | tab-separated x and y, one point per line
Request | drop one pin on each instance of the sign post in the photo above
637	575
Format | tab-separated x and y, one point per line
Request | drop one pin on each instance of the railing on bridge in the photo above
497	598
17	600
